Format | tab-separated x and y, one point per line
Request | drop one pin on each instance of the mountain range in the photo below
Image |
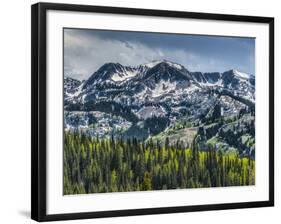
164	99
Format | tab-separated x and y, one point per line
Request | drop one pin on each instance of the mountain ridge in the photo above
116	76
115	73
149	99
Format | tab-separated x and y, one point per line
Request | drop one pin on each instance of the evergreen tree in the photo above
94	165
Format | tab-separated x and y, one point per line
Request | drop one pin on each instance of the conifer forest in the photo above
93	165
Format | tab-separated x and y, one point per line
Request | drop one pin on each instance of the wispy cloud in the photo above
84	54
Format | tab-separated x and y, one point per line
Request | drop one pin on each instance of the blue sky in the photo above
86	50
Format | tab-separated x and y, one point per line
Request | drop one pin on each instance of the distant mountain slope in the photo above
160	82
140	99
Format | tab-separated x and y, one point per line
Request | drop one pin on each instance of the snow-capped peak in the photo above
152	63
241	75
156	62
126	74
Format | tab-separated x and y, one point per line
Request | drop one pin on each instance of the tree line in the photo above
94	165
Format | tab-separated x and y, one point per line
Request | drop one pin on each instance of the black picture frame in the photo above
38	108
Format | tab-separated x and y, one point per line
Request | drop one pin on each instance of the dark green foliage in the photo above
111	107
156	124
217	112
93	165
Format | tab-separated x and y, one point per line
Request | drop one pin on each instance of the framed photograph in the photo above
139	111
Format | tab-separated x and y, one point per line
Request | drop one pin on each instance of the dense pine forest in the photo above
93	165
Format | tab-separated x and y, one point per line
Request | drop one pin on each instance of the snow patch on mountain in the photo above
242	75
156	62
163	87
175	65
152	64
77	92
120	77
219	83
151	111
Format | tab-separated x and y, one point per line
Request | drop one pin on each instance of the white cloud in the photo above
84	54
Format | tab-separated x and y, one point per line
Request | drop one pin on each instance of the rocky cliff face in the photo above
150	99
